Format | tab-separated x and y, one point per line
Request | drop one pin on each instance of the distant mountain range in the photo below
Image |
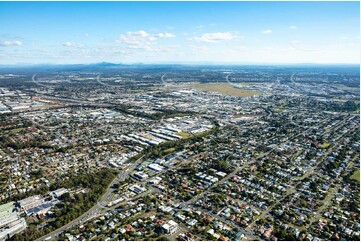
160	66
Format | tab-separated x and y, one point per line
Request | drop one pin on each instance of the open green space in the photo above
224	88
356	176
325	145
16	130
184	135
170	150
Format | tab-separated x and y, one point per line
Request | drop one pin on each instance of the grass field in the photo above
183	135
356	176
17	130
224	88
325	145
345	88
170	150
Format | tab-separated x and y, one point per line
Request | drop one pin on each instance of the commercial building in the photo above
156	167
170	227
10	222
37	204
141	175
137	189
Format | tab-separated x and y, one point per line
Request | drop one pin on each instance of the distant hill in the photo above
109	66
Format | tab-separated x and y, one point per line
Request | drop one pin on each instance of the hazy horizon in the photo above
186	64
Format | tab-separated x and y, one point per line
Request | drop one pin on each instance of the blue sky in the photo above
179	32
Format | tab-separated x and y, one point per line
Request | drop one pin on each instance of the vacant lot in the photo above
224	88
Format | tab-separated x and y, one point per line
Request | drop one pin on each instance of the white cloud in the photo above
152	38
240	48
10	43
165	35
267	31
151	47
140	46
197	48
293	27
73	44
143	40
214	37
142	36
343	38
300	46
140	33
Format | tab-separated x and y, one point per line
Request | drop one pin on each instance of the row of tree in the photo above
72	206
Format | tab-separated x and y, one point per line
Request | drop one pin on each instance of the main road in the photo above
98	208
